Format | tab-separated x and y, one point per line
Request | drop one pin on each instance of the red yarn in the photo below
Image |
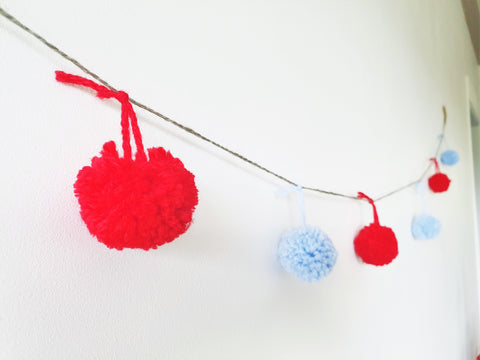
438	182
133	203
375	244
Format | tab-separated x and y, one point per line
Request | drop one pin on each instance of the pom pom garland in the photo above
144	202
307	253
375	244
438	182
133	203
449	157
111	152
425	226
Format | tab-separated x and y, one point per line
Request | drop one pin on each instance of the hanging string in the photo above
420	189
300	200
75	62
445	141
435	161
371	202
128	116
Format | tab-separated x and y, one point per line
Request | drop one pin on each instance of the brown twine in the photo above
15	21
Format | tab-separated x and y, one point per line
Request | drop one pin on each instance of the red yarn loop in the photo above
128	114
435	161
370	200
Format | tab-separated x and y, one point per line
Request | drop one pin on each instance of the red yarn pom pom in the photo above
133	203
375	244
439	182
142	203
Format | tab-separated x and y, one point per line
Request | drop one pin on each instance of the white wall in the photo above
338	94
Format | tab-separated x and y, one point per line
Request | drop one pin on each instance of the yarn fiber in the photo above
307	252
133	202
136	203
449	157
439	182
425	226
375	244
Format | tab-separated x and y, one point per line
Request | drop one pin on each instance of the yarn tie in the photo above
128	116
300	200
370	200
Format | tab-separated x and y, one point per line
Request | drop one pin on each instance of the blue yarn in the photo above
449	157
307	253
425	227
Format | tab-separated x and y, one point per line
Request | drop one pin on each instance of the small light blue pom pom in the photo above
449	157
307	253
425	227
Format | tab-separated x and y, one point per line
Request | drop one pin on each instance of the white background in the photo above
342	95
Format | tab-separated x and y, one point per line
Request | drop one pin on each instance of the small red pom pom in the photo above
376	245
137	203
439	182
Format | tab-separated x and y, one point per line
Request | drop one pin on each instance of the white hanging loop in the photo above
300	200
420	189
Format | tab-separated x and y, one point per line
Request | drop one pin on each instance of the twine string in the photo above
193	132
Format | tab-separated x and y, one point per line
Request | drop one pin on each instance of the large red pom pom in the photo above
133	203
375	244
142	203
439	182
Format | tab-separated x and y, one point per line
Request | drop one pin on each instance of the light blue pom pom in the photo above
449	157
307	253
425	227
